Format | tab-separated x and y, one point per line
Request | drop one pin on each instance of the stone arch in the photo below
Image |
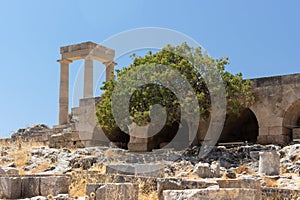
291	118
241	128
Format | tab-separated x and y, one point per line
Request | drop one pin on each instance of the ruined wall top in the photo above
276	80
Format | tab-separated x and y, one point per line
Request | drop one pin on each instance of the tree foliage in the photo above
195	66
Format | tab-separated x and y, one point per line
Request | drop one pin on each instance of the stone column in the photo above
64	91
110	66
88	90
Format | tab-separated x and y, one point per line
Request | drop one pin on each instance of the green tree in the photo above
195	66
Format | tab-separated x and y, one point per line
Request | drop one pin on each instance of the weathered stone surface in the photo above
181	184
296	133
10	187
29	131
30	186
279	193
103	178
124	169
205	170
8	171
148	170
139	141
246	183
269	163
211	193
250	183
289	161
54	185
116	191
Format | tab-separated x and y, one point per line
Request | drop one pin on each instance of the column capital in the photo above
66	61
110	63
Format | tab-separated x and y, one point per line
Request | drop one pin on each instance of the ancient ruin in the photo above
257	155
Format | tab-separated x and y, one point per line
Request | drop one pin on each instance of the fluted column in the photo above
110	70
88	90
64	91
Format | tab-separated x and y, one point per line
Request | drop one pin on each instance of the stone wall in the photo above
17	187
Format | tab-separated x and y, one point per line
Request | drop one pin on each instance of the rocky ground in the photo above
227	162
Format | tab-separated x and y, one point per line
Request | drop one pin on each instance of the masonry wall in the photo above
274	96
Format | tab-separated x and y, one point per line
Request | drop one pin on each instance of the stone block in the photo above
9	171
211	193
124	169
54	185
296	133
269	163
140	146
279	193
92	188
149	170
278	130
273	139
246	183
30	187
254	155
10	187
203	170
182	184
117	191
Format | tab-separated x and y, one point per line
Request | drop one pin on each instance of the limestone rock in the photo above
28	131
30	186
208	194
10	187
54	185
205	170
116	191
9	171
181	184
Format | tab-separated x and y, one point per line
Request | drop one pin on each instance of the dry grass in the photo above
101	169
42	167
78	184
244	169
79	181
224	176
270	182
20	152
111	154
21	157
147	191
296	157
149	196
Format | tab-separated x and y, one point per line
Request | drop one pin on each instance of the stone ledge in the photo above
16	187
211	193
279	193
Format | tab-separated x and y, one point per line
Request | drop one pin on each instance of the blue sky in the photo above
261	38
